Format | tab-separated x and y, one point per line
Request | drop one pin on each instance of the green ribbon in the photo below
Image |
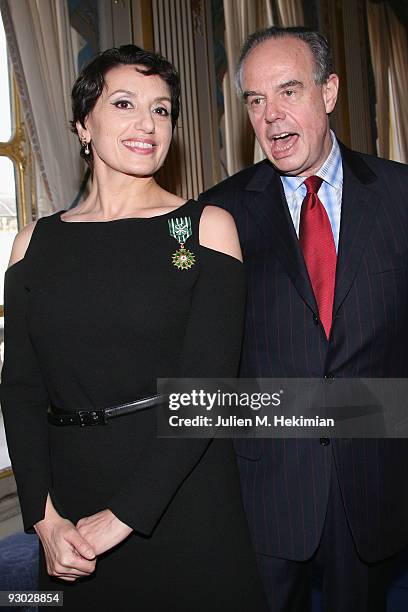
180	229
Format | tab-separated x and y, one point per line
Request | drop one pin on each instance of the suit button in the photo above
329	377
315	319
325	441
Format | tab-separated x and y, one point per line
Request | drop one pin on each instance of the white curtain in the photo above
376	17
290	12
389	56
242	18
39	38
398	87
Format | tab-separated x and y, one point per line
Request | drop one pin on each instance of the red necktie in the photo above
319	252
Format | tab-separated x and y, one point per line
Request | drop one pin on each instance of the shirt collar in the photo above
331	171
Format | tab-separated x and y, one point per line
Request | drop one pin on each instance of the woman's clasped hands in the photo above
103	530
71	551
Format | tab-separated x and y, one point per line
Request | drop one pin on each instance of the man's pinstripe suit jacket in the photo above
285	483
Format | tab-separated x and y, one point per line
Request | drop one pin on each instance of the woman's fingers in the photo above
70	571
71	562
65	577
64	556
69	568
67	553
83	547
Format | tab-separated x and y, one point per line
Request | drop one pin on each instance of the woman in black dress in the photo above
97	308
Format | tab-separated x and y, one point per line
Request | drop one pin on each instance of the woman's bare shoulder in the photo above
21	242
219	232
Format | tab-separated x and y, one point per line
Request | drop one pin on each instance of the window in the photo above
16	172
8	199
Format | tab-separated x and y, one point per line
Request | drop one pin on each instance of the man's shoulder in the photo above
378	165
236	183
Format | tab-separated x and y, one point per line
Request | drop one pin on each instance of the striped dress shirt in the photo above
330	193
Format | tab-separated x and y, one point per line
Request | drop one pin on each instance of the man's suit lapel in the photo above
359	204
358	210
270	211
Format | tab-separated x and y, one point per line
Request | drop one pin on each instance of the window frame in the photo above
19	151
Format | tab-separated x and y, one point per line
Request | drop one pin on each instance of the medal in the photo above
180	229
183	259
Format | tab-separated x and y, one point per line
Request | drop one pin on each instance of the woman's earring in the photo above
85	145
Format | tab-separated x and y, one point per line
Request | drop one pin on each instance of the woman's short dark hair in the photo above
90	83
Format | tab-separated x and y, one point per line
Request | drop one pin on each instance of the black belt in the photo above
84	418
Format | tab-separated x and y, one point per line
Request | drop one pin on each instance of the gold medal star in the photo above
183	259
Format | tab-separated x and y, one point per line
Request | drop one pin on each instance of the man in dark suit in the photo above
324	233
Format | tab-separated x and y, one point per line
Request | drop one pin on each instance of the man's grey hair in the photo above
317	44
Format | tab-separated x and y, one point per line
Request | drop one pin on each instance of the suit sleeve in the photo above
211	348
24	403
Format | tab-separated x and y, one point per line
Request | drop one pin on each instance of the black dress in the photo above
95	313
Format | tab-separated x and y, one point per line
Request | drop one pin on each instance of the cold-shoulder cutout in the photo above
21	243
12	267
218	232
222	257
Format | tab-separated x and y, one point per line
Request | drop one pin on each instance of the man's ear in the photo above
330	92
